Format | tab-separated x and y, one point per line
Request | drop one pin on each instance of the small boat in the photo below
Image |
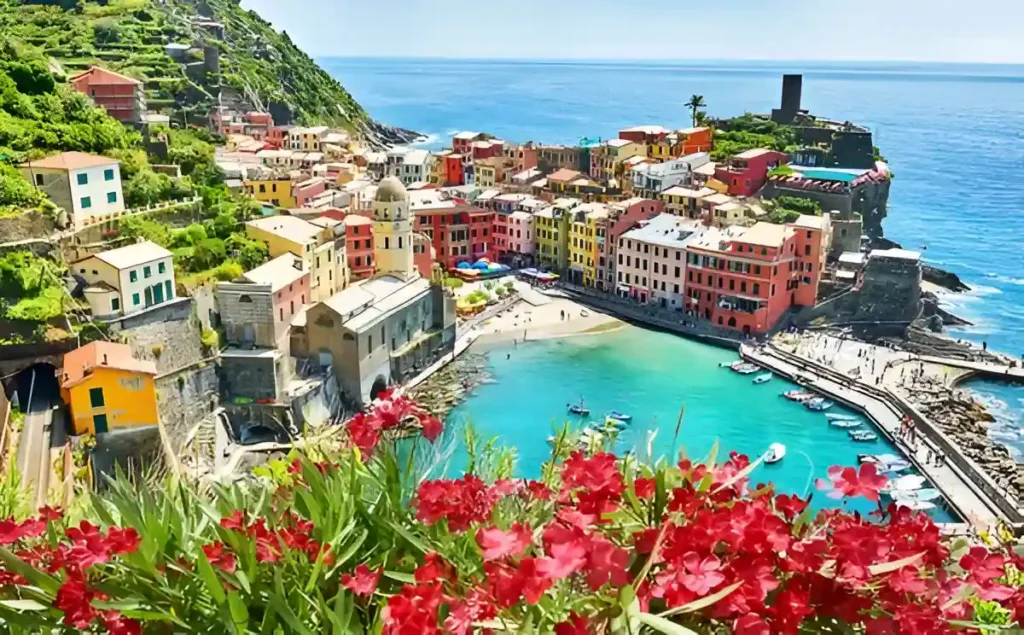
736	364
763	378
774	453
835	416
863	436
744	368
818	404
927	494
619	416
845	424
879	458
894	468
798	396
908	483
578	410
916	505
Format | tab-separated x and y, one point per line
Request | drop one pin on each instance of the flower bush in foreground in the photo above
342	544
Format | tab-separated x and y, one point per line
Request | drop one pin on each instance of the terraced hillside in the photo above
225	54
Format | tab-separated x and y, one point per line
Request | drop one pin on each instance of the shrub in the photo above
210	340
453	283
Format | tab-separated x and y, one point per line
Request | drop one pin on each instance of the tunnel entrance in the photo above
38	381
379	385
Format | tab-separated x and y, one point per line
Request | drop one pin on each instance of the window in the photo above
387	242
133	276
161	267
83	179
115	304
111	197
86	202
263	188
39	179
135	299
168	291
757	288
108	174
242	298
96	397
743	287
807	250
147	271
732	285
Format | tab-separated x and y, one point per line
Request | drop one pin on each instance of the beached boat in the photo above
863	436
908	483
926	494
619	416
818	404
916	505
798	396
845	424
763	378
774	453
837	416
578	410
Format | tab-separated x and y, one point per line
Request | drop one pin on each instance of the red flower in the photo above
701	575
362	581
644	487
51	513
848	482
364	433
907	580
219	558
497	543
508	585
235	521
73	598
413	611
575	625
118	624
566	559
597	479
462	613
434	568
538	491
459	502
982	567
790	506
432	427
123	540
750	624
606	562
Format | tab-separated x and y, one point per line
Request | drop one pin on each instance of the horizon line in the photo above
663	60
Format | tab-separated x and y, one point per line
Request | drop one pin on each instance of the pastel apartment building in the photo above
106	388
490	172
651	137
748	278
747	172
649	180
557	157
87	186
693	140
607	158
582	243
321	249
552	233
123	97
359	246
415	167
257	310
462	142
520	237
304	191
126	280
651	261
276	190
520	157
307	139
622	217
685	201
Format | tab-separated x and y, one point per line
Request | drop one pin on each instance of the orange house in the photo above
122	97
106	388
694	140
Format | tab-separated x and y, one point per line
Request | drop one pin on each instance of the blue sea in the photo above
953	134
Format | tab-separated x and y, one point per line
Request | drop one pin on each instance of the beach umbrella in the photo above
463	265
480	265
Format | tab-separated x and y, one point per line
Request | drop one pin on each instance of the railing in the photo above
92	221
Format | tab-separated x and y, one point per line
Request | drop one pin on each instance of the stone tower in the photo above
392	230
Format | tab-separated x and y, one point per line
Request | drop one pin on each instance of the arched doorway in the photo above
732	322
379	385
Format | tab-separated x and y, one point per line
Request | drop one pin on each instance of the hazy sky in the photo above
918	30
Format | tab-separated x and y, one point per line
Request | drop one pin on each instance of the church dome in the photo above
391	190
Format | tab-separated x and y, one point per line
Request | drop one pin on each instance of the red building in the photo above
453	173
277	136
488	148
522	157
748	278
422	255
122	97
359	246
462	143
747	172
458	232
646	135
693	140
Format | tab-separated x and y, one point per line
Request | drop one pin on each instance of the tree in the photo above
253	254
208	254
146	229
695	104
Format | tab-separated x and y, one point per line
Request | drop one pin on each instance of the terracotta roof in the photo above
110	76
81	361
71	161
564	175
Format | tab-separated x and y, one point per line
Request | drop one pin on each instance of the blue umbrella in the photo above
463	265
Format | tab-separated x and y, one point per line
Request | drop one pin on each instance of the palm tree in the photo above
695	104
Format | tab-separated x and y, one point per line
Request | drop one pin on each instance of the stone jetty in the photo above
449	386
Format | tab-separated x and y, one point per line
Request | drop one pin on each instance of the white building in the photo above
128	279
651	260
87	186
415	167
651	179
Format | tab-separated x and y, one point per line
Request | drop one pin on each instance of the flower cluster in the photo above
295	535
390	412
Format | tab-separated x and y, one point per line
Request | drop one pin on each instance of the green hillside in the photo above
254	67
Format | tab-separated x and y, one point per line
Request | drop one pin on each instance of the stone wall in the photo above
846	232
169	334
250	321
252	376
185	398
32	224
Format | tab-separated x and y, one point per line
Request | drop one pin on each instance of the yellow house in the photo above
277	191
321	248
582	242
106	388
546	232
685	201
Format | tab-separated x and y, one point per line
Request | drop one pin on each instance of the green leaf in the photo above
662	625
14	564
24	605
407	578
350	550
154	616
239	611
280	606
895	565
209	577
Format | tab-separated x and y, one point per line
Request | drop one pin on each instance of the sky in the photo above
977	31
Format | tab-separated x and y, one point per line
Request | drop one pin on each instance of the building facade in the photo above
87	186
123	97
128	279
106	388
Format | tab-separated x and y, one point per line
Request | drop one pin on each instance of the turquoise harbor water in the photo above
953	134
651	375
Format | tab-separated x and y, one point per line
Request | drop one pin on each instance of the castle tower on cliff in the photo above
392	230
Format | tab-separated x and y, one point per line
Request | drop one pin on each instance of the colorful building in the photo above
622	216
685	201
276	190
607	159
520	238
303	191
359	246
582	243
128	279
106	388
321	248
651	179
557	157
462	142
559	180
490	172
651	262
87	186
746	173
552	233
748	278
521	157
124	98
422	255
258	309
693	140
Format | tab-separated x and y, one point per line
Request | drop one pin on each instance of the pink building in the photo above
462	142
622	216
746	173
520	237
651	263
310	188
488	149
247	315
422	254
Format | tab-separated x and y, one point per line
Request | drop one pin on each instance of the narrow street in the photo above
34	444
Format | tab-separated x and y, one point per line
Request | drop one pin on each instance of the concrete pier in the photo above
958	485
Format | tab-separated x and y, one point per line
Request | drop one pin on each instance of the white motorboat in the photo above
927	494
798	396
894	467
845	424
818	404
863	436
745	369
763	378
879	458
836	416
774	453
904	484
916	505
